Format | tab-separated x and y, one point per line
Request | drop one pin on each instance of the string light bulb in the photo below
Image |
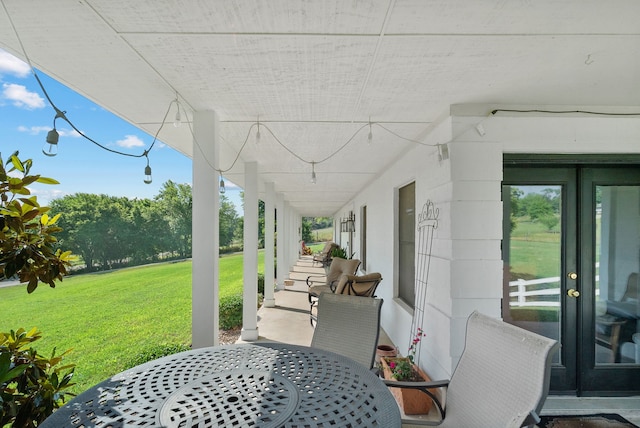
178	120
370	136
50	148
258	131
313	173
147	172
222	188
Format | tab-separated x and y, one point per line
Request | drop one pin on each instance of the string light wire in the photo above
62	115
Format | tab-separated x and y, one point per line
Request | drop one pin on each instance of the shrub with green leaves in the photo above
155	352
32	386
261	283
231	311
27	241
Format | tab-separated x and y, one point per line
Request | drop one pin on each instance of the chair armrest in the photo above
417	385
312	278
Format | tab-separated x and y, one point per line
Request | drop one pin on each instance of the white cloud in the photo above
12	65
21	97
45	196
130	141
34	130
67	133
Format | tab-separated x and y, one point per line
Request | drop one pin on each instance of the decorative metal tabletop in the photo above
249	385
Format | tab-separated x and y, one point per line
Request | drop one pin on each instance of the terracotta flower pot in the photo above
411	401
386	351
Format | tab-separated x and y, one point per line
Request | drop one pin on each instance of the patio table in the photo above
249	385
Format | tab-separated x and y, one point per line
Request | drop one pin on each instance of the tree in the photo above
27	241
228	221
306	230
537	206
177	202
81	224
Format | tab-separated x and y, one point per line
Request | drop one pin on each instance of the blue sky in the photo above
80	166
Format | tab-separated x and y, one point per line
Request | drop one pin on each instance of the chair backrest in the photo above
339	267
349	326
364	285
631	293
502	376
328	247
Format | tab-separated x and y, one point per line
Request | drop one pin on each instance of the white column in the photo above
269	231
250	295
287	240
294	241
204	272
282	271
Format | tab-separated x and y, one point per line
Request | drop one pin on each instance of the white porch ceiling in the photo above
316	71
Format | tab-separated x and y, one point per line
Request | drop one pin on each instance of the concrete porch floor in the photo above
288	322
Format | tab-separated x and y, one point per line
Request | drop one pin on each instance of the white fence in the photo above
522	293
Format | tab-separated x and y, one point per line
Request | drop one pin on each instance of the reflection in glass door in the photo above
535	255
571	248
539	251
617	267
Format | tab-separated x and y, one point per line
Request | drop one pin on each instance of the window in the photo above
406	243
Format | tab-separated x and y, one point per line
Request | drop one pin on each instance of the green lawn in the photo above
105	317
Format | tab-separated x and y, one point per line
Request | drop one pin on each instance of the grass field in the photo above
108	317
321	235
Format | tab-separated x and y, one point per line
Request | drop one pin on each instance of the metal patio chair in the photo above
328	283
349	326
502	379
324	256
363	286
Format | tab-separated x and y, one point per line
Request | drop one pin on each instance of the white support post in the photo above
250	294
282	271
204	276
269	233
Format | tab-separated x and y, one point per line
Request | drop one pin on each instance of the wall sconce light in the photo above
351	222
348	224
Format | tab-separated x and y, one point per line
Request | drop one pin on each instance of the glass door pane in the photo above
617	267
534	269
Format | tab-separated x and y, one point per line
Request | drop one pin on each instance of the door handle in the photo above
573	293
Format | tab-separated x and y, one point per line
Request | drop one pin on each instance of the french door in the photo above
571	248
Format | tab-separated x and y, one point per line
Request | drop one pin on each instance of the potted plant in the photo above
412	401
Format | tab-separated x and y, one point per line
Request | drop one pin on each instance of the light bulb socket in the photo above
147	175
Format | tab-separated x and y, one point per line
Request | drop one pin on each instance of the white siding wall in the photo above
466	266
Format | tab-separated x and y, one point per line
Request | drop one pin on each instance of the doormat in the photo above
601	420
